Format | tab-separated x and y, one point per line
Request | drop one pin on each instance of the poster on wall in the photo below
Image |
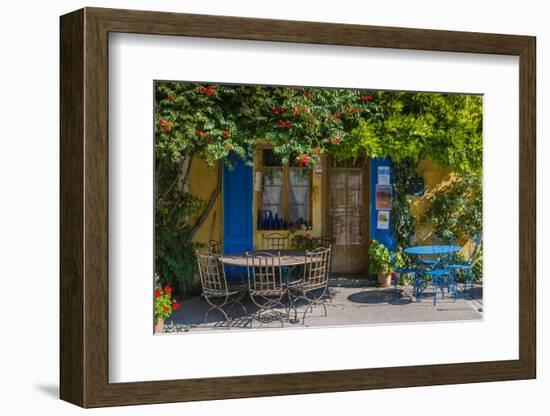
383	175
383	220
383	197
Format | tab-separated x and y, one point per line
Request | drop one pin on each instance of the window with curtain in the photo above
286	194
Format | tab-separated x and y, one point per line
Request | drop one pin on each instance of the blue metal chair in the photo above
440	276
397	271
467	267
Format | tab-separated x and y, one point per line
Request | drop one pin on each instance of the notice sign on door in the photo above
383	220
383	197
383	175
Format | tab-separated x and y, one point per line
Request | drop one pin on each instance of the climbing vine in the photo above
403	227
456	211
218	123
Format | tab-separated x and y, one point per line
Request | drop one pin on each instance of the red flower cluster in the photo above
286	124
170	97
208	90
277	110
393	274
353	110
367	98
227	134
200	133
334	140
336	117
297	111
303	160
158	293
167	289
315	152
175	305
166	126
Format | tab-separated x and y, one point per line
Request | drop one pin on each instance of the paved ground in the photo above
353	303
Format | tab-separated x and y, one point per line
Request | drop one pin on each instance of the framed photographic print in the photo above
237	191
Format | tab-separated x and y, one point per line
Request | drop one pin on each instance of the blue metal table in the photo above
432	250
427	266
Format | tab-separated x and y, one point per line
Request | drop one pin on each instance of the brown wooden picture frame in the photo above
84	207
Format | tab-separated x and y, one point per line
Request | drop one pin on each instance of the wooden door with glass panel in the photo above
348	215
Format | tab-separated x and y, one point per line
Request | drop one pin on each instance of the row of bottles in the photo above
269	221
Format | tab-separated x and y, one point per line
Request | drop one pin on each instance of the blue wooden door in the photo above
381	235
237	208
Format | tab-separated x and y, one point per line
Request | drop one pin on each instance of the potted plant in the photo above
304	242
164	306
380	262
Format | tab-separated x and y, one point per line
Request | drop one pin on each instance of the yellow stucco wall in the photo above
435	179
203	179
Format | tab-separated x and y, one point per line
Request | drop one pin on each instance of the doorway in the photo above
348	215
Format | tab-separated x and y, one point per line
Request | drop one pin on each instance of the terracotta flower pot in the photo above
159	326
384	279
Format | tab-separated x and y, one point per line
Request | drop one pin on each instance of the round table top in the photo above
435	249
288	257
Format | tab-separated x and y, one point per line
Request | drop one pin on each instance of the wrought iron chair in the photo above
233	275
214	247
439	276
328	242
265	285
313	286
467	267
275	241
398	271
220	295
325	241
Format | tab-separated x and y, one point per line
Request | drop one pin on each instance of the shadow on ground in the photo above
352	302
380	296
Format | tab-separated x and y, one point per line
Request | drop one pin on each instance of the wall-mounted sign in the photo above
383	220
383	197
383	175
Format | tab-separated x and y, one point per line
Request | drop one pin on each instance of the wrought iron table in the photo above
289	258
434	268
